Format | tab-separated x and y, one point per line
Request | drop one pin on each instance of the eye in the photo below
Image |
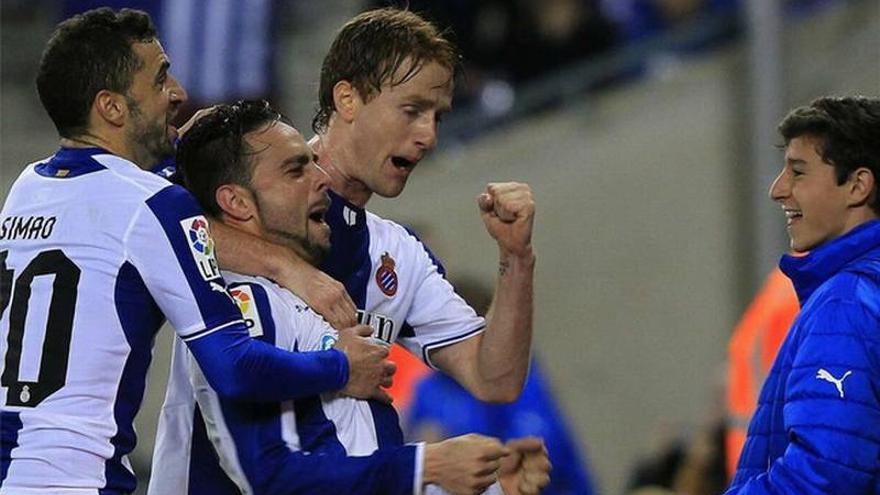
411	111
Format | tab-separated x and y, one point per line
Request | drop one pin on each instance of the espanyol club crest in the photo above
201	246
386	277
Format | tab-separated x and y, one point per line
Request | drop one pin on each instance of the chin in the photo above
391	190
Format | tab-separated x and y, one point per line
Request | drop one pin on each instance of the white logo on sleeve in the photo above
828	377
201	245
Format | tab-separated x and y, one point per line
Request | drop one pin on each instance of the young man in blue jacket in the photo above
817	426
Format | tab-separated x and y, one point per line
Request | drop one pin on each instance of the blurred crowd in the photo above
506	44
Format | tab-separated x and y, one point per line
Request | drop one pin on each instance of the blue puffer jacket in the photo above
817	426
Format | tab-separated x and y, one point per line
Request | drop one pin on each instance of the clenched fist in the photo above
508	211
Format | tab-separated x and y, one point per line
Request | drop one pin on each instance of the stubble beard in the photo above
151	140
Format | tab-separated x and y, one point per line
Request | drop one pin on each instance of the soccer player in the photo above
95	253
817	426
250	168
385	84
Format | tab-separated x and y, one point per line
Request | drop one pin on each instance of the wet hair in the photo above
86	54
847	130
214	151
372	47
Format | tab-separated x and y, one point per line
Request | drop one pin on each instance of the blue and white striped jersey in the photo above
94	254
318	444
400	291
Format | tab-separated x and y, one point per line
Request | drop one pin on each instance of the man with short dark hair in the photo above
249	166
96	252
817	426
386	82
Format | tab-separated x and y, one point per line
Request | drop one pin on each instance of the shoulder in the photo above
388	234
129	175
272	311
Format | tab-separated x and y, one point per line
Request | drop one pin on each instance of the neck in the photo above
336	159
89	140
860	216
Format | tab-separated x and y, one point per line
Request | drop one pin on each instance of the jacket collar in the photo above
808	272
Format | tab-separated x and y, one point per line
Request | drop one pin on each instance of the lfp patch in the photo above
201	245
386	277
243	296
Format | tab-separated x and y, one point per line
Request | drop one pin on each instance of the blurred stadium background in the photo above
645	127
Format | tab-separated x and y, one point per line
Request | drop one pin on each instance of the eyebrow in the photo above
300	160
426	103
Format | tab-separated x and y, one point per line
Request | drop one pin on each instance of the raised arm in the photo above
494	364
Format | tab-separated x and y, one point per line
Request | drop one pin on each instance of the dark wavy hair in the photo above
848	133
371	48
86	54
214	152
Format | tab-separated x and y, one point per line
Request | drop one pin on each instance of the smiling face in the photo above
289	191
391	132
153	100
817	209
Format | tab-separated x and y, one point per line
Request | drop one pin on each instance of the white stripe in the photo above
177	26
216	41
420	465
443	343
198	335
253	49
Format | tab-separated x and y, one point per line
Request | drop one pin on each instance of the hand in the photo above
368	370
527	470
464	465
192	120
508	211
321	292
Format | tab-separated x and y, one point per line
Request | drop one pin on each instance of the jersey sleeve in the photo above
170	243
249	437
438	316
831	414
272	468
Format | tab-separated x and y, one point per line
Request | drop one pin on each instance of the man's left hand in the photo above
527	470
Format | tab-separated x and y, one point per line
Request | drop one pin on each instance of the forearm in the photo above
241	252
239	367
503	354
386	472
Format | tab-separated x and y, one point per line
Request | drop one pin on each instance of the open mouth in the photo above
318	215
401	162
792	215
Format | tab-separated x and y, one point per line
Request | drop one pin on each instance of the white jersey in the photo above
94	254
343	425
399	289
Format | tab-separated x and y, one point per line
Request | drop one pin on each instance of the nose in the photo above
426	132
780	188
176	92
320	177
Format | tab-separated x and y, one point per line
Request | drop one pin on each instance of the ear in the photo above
236	201
110	107
862	186
346	100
